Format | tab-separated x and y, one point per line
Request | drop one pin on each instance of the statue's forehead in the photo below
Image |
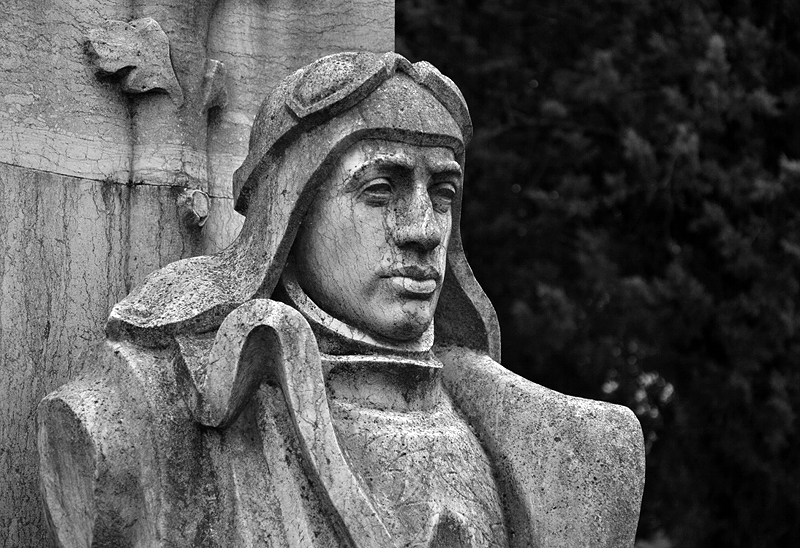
369	156
325	103
401	152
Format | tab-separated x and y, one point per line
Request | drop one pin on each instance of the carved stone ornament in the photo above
332	378
139	50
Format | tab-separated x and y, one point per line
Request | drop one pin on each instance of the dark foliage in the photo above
633	212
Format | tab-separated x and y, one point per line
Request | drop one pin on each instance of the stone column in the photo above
112	166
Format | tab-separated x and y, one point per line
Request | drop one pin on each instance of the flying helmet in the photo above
302	127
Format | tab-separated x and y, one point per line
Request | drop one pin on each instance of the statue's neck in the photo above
392	383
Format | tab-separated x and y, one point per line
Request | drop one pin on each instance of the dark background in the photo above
633	212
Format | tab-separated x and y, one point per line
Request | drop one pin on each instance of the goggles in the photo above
330	87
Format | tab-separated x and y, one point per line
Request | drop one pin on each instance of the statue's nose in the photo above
416	224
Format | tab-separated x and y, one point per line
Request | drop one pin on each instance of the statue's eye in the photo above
377	192
442	196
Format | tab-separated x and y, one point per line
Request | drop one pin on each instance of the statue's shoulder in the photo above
125	462
90	437
574	466
114	445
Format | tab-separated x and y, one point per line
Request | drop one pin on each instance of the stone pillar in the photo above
115	162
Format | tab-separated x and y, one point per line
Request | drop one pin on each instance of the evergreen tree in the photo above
633	211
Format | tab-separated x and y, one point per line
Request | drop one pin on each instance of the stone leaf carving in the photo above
194	206
138	50
214	92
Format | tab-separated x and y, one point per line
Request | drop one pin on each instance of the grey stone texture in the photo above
332	377
101	185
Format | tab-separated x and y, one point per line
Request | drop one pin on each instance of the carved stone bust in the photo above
333	378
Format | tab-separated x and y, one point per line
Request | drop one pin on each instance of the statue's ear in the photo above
465	316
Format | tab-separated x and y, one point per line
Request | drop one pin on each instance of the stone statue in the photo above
332	378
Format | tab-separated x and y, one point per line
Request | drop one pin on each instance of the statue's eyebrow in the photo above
390	162
446	167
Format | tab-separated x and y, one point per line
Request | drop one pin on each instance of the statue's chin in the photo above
408	328
404	329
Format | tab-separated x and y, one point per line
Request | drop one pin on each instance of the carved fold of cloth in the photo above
387	450
429	478
413	460
165	480
418	461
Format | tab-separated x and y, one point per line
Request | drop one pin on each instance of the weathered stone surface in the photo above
75	234
578	462
214	92
54	114
62	264
68	253
194	206
260	44
140	49
57	116
332	378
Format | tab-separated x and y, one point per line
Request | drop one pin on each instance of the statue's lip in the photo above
415	272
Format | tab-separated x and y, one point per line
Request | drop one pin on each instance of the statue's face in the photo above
372	250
